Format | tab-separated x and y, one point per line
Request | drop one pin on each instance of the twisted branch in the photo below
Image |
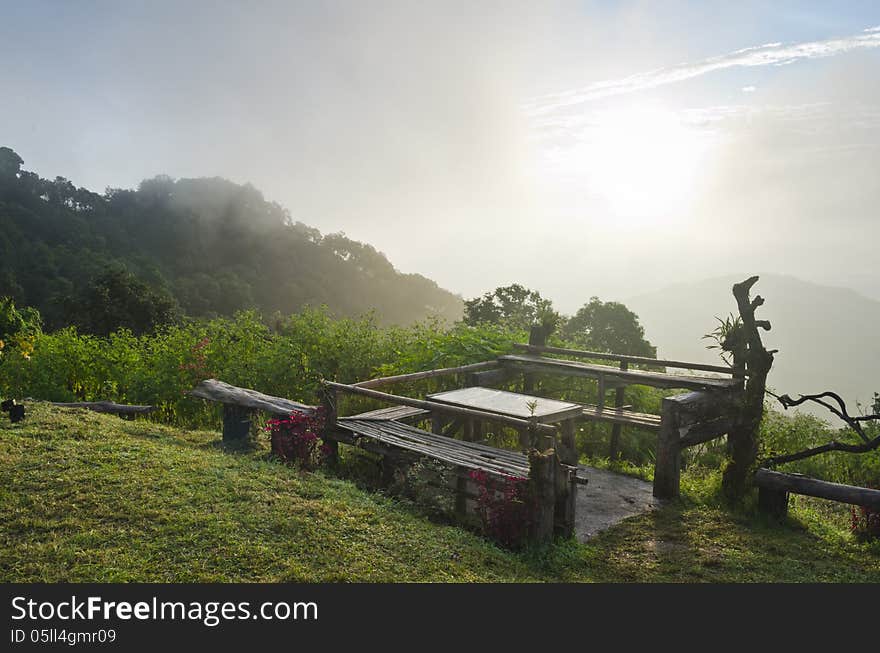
854	422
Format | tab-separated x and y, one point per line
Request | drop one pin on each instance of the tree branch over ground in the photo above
840	410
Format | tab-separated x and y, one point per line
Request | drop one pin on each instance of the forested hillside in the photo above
200	247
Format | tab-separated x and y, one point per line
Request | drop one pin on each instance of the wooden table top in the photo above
511	404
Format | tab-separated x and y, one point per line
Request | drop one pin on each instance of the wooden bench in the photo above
240	404
774	488
467	455
553	483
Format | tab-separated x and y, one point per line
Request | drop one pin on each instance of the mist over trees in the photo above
209	247
200	247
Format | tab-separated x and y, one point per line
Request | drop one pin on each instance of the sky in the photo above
578	148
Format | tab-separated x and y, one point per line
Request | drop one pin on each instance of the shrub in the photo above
504	506
865	522
296	438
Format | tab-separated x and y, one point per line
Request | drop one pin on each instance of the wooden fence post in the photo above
329	401
542	482
567	447
667	466
566	499
538	338
619	402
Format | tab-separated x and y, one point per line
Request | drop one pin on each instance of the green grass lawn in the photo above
87	497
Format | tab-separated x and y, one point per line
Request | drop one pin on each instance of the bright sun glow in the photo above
643	163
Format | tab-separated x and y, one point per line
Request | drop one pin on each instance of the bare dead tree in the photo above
855	423
750	353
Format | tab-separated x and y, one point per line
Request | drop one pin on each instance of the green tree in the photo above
18	327
10	163
514	306
608	327
117	299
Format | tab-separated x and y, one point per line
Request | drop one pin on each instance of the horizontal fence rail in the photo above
417	376
635	360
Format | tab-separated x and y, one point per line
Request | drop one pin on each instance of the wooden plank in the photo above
637	377
490	377
215	390
393	413
444	408
704	431
451	452
621	416
636	360
428	374
107	407
509	403
854	495
433	439
472	455
698	407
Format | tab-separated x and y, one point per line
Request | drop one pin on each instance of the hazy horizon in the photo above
577	148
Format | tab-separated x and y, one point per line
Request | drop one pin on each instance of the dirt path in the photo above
609	498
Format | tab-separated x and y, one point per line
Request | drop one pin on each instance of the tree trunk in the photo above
743	438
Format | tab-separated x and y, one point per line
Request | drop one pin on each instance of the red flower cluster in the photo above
865	522
504	507
198	367
296	438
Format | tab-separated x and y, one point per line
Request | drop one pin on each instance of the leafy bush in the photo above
504	506
865	522
296	438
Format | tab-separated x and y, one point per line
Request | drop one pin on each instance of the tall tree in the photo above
116	298
608	327
515	306
10	163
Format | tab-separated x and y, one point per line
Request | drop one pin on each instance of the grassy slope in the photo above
87	497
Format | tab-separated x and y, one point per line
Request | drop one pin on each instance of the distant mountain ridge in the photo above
826	336
213	245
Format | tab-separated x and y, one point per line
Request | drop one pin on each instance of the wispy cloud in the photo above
769	54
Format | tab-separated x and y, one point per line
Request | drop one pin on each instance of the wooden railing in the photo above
626	360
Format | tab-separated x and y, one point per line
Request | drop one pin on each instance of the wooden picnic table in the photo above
521	406
514	404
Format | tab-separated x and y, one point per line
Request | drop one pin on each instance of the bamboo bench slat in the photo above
392	413
471	455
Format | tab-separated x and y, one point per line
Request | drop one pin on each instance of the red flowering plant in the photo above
865	522
197	367
504	506
296	438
